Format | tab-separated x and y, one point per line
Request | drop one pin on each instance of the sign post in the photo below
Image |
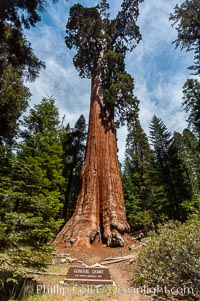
89	275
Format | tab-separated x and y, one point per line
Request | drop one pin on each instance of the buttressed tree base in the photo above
101	45
100	213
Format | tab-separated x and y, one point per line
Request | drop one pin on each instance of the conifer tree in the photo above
101	45
191	157
74	153
177	169
180	178
15	50
17	64
138	170
31	195
161	141
186	17
191	103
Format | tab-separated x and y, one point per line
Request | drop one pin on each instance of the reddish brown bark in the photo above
100	212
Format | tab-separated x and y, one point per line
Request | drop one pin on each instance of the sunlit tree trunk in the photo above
100	213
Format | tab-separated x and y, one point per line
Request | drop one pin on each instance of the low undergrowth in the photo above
169	265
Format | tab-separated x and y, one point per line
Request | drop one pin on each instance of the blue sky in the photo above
158	68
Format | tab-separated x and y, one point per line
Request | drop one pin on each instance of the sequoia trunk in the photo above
100	213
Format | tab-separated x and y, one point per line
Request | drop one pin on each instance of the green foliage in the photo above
136	215
23	13
187	18
191	103
33	190
16	51
103	9
14	48
190	156
170	260
73	141
13	101
31	194
180	179
118	86
93	34
40	298
42	118
160	183
176	162
192	205
40	153
84	34
17	62
101	46
27	223
161	141
138	168
125	32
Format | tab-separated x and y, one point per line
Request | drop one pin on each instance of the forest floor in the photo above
121	273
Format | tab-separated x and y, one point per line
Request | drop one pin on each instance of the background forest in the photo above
41	155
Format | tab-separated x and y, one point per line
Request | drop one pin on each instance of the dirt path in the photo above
121	274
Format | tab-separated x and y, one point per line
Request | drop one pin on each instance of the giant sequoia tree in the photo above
101	45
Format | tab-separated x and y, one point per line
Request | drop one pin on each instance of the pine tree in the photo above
31	195
101	45
187	18
138	168
134	212
41	142
191	103
180	178
17	63
74	153
161	142
15	50
176	161
191	159
14	98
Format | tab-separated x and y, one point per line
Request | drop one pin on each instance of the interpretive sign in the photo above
89	275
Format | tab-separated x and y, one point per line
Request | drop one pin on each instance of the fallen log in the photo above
111	260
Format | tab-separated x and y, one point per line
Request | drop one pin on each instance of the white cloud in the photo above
59	79
159	70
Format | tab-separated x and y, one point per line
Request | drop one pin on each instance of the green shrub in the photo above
40	298
170	262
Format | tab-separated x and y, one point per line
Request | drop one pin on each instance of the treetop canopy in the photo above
92	33
101	45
